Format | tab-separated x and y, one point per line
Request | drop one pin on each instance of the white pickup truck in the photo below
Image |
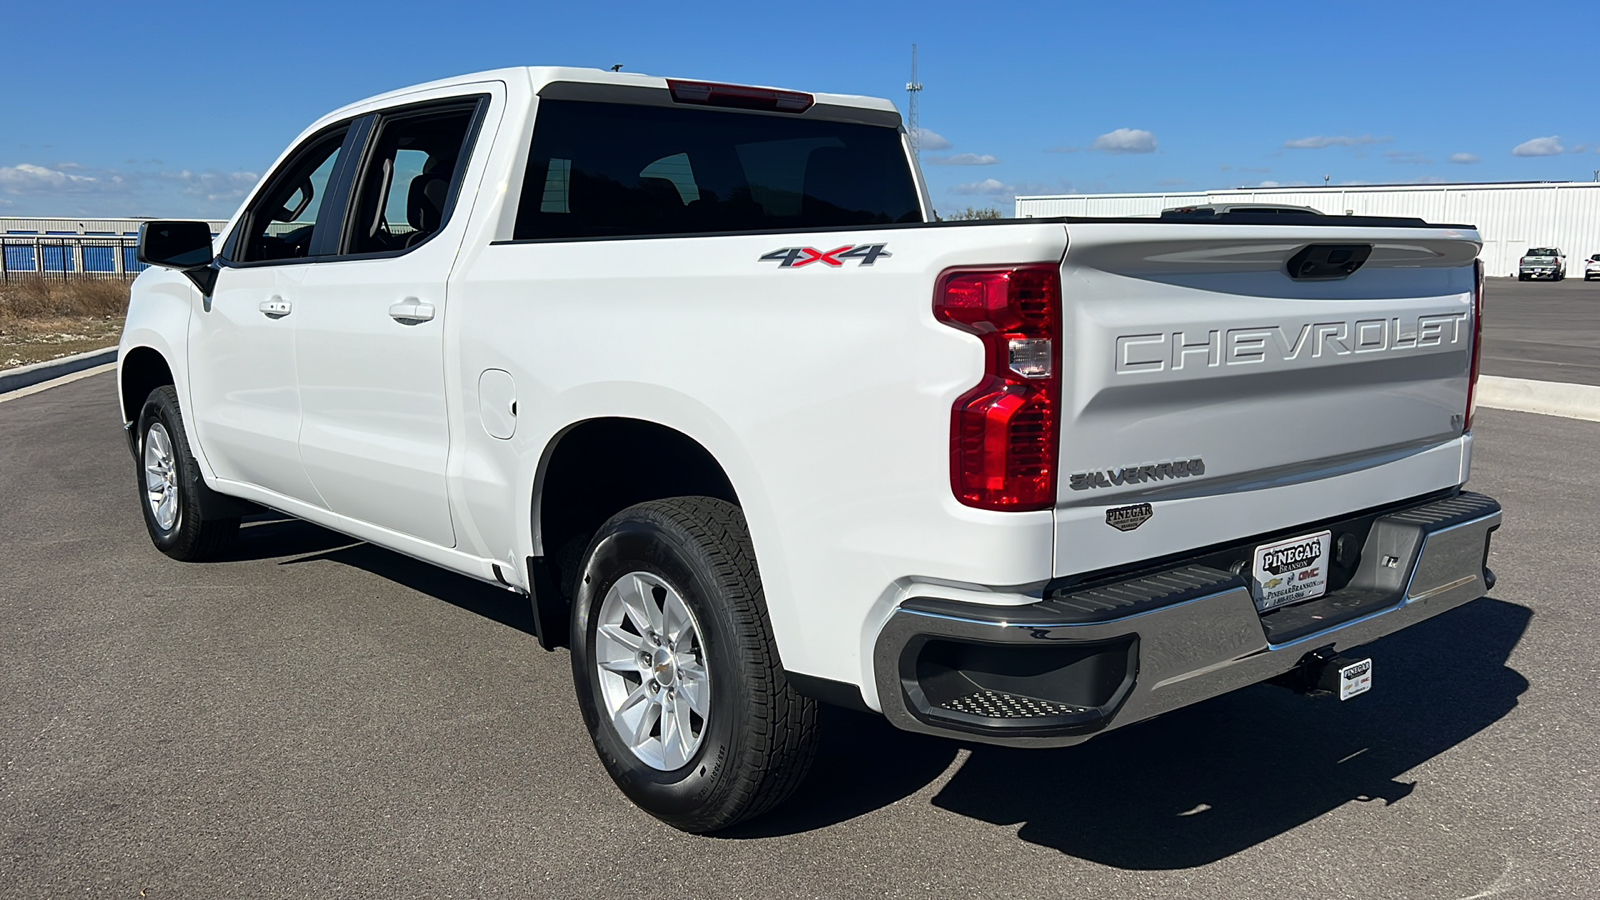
694	368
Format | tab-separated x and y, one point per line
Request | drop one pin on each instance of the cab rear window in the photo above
599	170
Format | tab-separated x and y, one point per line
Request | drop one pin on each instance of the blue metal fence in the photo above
68	257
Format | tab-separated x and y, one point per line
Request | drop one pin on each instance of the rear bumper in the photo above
1088	659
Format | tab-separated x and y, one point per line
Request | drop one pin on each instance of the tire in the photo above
172	513
756	736
1521	277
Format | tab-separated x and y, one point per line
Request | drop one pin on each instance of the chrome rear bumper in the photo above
1086	660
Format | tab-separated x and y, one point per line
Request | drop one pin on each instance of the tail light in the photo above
1477	343
1005	432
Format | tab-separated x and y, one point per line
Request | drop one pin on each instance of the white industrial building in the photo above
1511	216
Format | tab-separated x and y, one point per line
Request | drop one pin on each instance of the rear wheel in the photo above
170	485
1522	276
676	670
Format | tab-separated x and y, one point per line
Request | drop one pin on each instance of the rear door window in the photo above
411	176
599	170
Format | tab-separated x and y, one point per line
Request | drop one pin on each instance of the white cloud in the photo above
1125	140
989	187
928	140
964	159
1465	159
1269	184
1402	156
68	188
212	185
27	178
1544	146
1317	142
1581	148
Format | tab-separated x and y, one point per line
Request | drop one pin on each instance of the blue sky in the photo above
174	109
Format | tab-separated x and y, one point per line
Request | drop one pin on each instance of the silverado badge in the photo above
1127	518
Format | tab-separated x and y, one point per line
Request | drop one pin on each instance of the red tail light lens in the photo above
1005	432
1477	343
737	96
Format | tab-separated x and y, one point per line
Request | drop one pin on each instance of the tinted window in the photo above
615	170
410	178
283	217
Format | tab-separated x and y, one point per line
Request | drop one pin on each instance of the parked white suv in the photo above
693	368
1591	268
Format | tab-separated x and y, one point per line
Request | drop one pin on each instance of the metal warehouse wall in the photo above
81	226
1511	217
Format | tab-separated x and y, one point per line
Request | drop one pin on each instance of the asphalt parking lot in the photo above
319	717
1544	330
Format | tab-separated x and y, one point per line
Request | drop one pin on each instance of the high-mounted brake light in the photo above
1477	343
1005	432
736	96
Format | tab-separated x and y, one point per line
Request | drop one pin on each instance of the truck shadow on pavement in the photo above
269	536
1209	781
1203	783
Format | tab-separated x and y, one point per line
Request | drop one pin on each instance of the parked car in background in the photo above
1591	269
1542	262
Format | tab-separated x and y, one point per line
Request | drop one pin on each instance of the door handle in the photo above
276	308
411	311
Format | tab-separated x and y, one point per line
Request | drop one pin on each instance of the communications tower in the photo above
913	88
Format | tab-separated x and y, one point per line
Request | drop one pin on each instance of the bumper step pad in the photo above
1000	705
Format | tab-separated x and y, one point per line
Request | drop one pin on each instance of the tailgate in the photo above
1201	379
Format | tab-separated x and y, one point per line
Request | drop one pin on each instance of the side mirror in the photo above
185	246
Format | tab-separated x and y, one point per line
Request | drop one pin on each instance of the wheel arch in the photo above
597	467
143	369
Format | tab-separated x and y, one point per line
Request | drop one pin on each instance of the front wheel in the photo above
676	670
170	485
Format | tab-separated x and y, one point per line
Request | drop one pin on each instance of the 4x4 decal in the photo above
796	257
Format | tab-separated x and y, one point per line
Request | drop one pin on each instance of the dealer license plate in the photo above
1291	571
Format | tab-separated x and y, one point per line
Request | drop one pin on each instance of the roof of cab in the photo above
539	76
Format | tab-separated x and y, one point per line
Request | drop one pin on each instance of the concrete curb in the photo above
1549	398
26	376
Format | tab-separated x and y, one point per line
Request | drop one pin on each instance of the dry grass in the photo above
42	320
